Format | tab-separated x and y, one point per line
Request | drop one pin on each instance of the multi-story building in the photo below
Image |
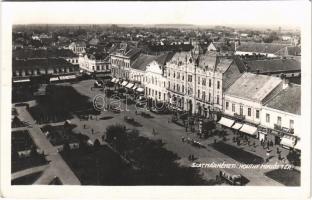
197	80
24	70
155	81
244	99
122	59
280	117
92	63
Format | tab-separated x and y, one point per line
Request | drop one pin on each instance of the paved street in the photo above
171	134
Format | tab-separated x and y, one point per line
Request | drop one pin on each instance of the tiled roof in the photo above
272	65
39	63
142	61
223	64
287	100
260	47
253	87
42	53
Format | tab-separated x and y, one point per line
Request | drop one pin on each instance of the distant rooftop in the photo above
253	87
260	47
287	100
273	65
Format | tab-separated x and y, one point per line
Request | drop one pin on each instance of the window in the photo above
233	107
149	91
173	74
249	112
204	81
218	99
159	95
169	84
209	96
279	121
241	110
183	88
257	114
198	80
174	87
189	78
209	82
291	124
178	75
183	78
226	105
204	95
267	118
218	85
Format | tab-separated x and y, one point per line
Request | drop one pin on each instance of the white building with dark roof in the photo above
244	99
280	116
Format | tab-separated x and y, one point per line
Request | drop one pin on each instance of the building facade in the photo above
90	64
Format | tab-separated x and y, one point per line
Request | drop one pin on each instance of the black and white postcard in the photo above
149	99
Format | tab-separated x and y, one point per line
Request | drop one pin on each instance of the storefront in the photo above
226	122
249	129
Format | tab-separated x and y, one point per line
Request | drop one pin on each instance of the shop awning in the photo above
113	80
237	126
22	80
124	83
129	85
226	122
140	89
134	88
67	77
288	142
54	79
248	129
117	80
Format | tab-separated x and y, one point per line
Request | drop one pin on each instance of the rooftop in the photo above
39	63
273	65
42	53
287	100
253	87
260	47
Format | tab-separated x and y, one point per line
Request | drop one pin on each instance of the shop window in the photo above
233	107
227	105
257	114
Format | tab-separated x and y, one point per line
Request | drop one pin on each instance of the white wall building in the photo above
280	117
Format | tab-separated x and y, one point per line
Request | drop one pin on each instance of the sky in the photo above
263	13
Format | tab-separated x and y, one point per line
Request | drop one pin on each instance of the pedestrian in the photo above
84	126
92	131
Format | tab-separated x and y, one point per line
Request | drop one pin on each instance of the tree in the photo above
116	135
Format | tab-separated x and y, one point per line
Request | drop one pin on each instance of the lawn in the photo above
237	154
27	162
26	180
59	135
285	177
59	104
21	141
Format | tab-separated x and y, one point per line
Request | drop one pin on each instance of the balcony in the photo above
283	129
239	116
